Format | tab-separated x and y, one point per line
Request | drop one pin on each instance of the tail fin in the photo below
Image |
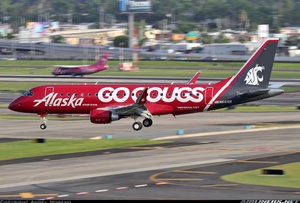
251	81
103	59
257	70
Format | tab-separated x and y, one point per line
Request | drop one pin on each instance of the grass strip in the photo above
290	179
29	148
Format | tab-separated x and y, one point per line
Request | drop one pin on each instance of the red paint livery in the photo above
106	103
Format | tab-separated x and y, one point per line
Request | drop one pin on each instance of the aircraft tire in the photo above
147	122
43	126
137	126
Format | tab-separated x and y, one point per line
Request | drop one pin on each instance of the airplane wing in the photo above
193	80
138	108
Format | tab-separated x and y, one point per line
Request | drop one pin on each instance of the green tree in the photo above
121	41
57	39
292	41
10	36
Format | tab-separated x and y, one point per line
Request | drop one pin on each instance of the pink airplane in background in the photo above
100	65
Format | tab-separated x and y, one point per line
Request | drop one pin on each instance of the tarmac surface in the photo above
213	144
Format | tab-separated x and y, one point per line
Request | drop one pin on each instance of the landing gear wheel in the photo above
147	122
43	126
137	125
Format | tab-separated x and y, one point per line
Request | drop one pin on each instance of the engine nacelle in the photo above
103	116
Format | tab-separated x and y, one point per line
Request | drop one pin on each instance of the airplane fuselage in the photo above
110	102
161	99
82	70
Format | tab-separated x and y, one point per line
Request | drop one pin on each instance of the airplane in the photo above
106	103
100	65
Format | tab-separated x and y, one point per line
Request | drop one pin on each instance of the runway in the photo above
190	168
213	144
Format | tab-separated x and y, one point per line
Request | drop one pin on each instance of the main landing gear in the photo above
43	126
137	125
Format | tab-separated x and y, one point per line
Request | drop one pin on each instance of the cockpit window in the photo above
28	93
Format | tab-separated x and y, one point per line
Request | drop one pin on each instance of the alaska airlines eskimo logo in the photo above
252	78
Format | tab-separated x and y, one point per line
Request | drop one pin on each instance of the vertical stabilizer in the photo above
257	70
103	59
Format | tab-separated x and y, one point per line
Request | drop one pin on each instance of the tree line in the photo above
202	15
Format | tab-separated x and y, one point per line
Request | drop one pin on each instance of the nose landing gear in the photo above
43	126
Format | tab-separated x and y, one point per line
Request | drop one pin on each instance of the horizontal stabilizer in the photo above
254	92
275	85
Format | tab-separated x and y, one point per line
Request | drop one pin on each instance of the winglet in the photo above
193	80
142	97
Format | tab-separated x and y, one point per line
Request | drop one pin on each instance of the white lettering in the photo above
138	4
51	100
183	94
135	93
155	94
169	97
117	93
197	95
104	94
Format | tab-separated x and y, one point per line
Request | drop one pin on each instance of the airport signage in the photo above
135	6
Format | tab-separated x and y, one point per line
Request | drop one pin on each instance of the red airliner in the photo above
111	102
100	65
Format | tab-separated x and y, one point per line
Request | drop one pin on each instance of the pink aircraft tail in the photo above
103	59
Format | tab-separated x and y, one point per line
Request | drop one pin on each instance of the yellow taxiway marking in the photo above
259	162
200	172
226	132
179	179
28	195
219	185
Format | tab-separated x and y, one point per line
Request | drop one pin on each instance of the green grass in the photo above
147	68
254	108
20	87
28	148
291	178
140	63
31	116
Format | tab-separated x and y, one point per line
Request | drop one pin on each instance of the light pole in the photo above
101	16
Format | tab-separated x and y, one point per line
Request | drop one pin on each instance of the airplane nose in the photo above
14	106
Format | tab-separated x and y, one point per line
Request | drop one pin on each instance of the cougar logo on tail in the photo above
252	78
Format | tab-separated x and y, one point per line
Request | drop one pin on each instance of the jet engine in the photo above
103	116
